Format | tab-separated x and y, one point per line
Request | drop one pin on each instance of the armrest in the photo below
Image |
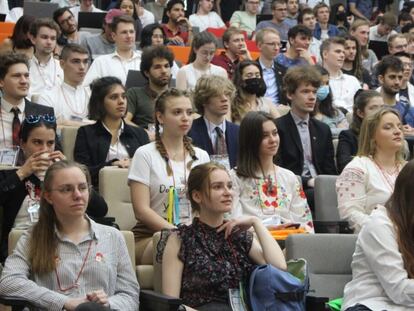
153	301
317	303
14	301
325	226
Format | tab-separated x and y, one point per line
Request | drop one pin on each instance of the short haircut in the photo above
407	28
121	19
72	48
231	31
275	2
298	75
44	22
395	36
402	54
9	59
404	16
320	5
358	23
326	44
389	62
262	32
305	11
209	86
150	53
299	30
388	19
59	12
171	3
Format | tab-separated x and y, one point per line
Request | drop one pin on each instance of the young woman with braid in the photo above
159	170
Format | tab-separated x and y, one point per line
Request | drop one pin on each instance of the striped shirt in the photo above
107	267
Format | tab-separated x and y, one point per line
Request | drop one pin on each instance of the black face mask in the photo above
341	16
254	86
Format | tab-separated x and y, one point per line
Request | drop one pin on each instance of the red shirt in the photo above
170	34
223	61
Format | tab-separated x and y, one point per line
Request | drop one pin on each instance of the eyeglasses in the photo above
70	189
32	119
66	20
272	44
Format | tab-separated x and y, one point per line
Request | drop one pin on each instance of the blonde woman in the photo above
369	178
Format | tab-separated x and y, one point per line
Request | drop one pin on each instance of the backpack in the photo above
272	289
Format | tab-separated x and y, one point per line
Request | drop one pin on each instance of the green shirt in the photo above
141	103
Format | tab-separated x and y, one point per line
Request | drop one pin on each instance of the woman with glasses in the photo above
203	48
67	261
20	187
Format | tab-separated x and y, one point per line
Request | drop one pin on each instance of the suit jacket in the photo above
201	139
290	154
279	72
347	148
93	142
12	194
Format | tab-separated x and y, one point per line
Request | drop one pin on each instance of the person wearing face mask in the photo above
251	88
325	110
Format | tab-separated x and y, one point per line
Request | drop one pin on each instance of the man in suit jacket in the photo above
220	138
306	146
15	83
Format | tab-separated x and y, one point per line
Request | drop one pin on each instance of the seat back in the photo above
329	258
113	186
68	134
326	201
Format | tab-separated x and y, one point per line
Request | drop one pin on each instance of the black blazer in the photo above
347	148
12	193
290	154
279	71
93	142
201	139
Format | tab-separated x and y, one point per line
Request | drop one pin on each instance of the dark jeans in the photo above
358	307
91	306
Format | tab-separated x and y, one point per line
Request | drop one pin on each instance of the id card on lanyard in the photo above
8	156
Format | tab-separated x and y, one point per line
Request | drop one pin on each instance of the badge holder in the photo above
8	156
33	211
184	205
222	159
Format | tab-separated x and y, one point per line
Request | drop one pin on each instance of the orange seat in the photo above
7	27
181	53
4	36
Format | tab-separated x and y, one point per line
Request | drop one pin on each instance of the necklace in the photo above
72	107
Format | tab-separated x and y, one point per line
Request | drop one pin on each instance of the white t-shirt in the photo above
112	65
375	36
312	3
203	22
147	18
44	77
343	89
69	103
149	168
192	75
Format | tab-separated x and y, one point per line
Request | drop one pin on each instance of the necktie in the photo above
15	126
221	147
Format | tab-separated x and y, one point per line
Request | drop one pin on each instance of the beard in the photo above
389	91
160	82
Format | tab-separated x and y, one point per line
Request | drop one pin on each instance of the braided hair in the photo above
160	105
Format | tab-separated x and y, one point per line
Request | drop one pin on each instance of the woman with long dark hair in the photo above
19	41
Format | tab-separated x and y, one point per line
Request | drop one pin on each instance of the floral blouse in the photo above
212	264
279	197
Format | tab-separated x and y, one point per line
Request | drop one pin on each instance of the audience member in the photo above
205	17
362	9
124	58
323	30
85	6
45	71
268	42
203	49
404	18
20	187
110	141
278	22
369	178
377	283
409	28
305	143
297	53
42	268
261	188
159	171
213	96
146	17
360	30
19	41
15	83
156	67
178	29
226	8
366	103
307	18
353	62
325	110
384	29
246	20
338	18
251	89
103	43
343	86
311	3
212	253
235	50
157	8
128	7
292	12
64	3
68	27
70	99
397	43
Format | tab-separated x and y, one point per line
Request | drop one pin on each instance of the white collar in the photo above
211	127
7	106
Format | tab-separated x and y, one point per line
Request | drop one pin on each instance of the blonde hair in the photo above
355	25
370	124
262	32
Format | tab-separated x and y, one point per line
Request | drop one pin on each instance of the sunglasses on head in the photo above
32	119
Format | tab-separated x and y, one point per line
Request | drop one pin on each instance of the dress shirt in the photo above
44	76
375	36
303	129
117	150
343	89
211	129
112	65
6	119
269	77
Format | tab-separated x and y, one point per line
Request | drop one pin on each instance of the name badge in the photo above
8	156
222	159
184	204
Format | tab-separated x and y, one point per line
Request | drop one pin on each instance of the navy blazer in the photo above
93	142
290	154
201	139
